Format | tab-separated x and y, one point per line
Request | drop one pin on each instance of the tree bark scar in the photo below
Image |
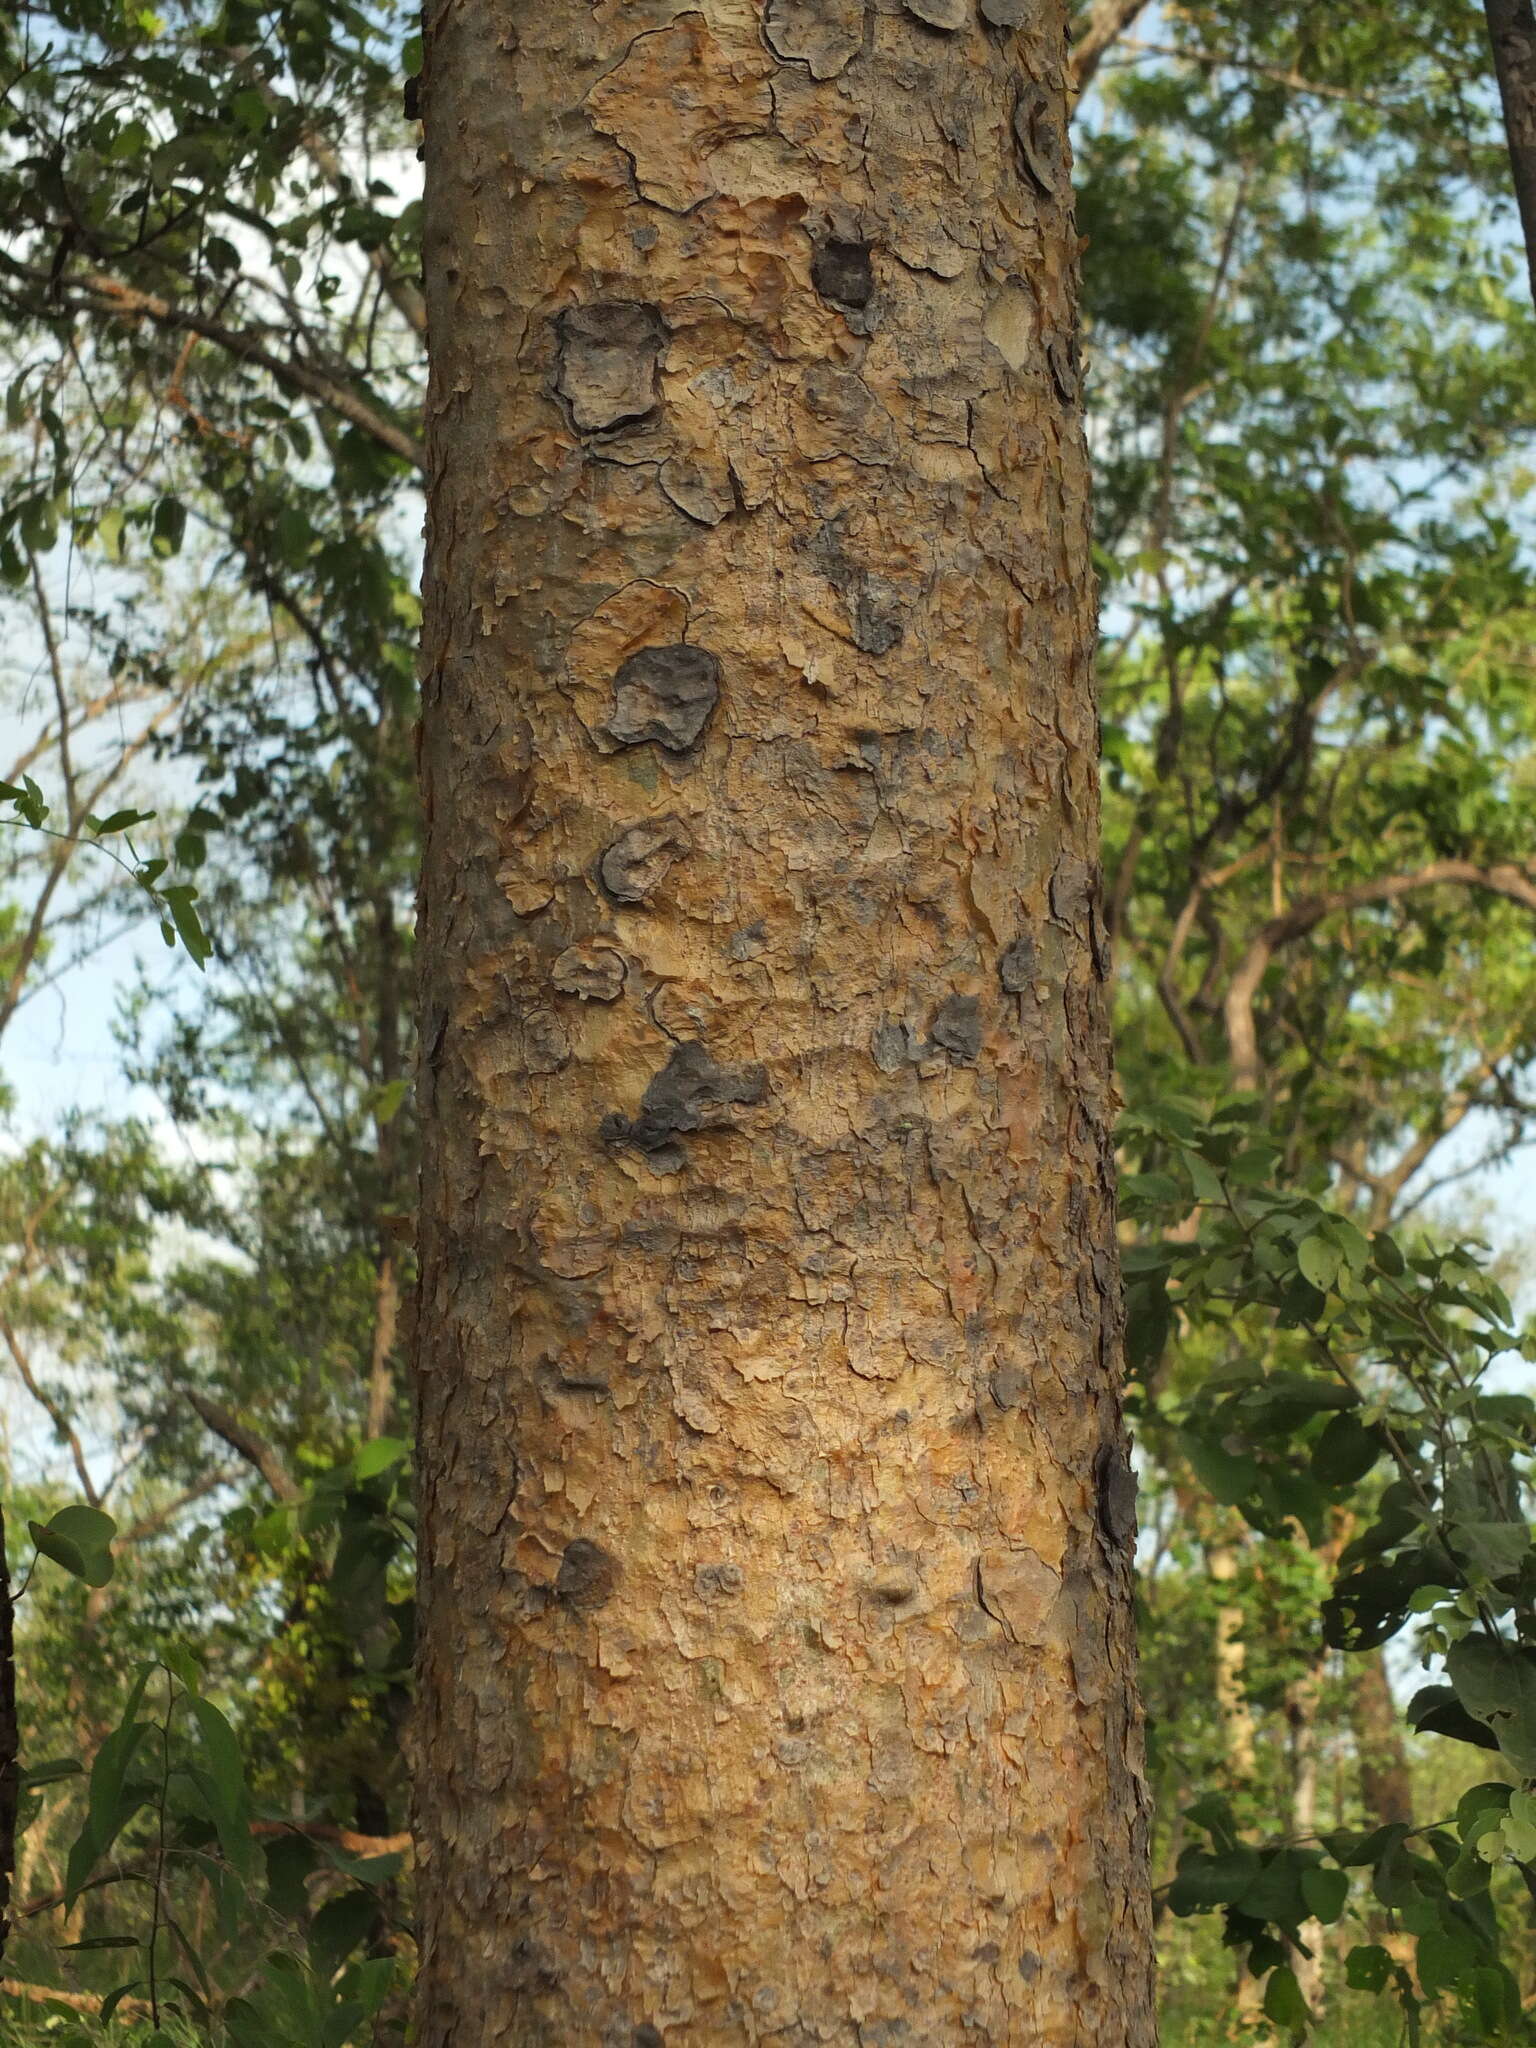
692	1093
1040	139
944	15
1117	1496
823	35
664	694
1018	965
610	352
843	273
634	867
957	1027
591	971
588	1577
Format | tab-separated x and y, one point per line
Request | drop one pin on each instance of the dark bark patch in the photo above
648	2037
634	867
852	420
873	605
664	694
692	1093
748	942
875	617
1061	354
1018	965
718	1581
1008	1386
1005	13
957	1027
702	492
841	272
610	353
893	1046
588	1576
894	1589
1075	903
823	35
594	973
1029	1965
1040	143
1116	1484
942	14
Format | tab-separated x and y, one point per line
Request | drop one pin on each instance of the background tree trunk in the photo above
1512	32
1386	1785
776	1659
1233	1706
10	1741
1301	1703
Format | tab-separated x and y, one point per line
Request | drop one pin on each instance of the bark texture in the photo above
1386	1783
776	1670
1233	1706
1512	32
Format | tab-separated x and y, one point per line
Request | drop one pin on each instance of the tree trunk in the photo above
1233	1706
1302	1697
776	1668
1386	1786
1512	32
10	1741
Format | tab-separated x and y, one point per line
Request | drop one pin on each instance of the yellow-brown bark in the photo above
776	1666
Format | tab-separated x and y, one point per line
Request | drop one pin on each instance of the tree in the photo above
776	1671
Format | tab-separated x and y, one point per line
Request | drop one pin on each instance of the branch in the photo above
1512	32
1272	74
1242	1038
50	1408
106	295
77	2001
1092	33
344	1838
255	1449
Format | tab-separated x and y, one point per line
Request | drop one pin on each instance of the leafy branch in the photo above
175	903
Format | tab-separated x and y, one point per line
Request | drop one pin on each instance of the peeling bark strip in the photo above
776	1669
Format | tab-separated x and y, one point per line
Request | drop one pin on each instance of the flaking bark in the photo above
776	1671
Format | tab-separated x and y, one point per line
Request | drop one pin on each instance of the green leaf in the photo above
1387	1256
226	1768
1283	2002
109	1802
1520	1827
1203	1883
80	1539
1435	1710
1345	1451
168	527
1444	1955
1482	1807
119	821
1319	1259
290	1861
1367	1967
1495	1549
181	900
39	1775
379	1455
1325	1892
1496	1683
340	1926
1225	1475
